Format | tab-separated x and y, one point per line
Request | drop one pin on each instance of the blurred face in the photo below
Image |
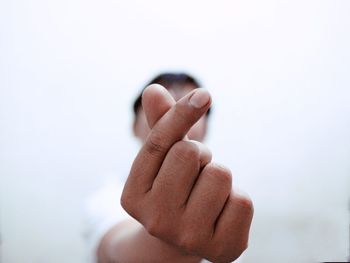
197	132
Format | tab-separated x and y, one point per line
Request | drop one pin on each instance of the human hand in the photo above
176	192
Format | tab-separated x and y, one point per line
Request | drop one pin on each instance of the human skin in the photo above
183	204
141	128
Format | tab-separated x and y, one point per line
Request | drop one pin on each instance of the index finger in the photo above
172	127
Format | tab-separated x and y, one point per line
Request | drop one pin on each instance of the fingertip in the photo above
155	92
156	100
205	153
153	87
200	98
151	90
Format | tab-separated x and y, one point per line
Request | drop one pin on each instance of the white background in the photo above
279	73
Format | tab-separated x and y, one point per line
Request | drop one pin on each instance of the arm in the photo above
121	243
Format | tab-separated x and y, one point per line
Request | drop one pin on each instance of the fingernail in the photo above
199	98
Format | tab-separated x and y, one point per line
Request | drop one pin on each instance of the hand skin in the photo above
184	203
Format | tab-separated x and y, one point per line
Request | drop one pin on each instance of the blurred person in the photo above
181	207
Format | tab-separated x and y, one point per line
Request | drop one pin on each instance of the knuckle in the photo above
159	224
245	203
187	242
125	201
155	143
217	252
153	226
224	253
225	176
204	152
192	238
240	248
220	173
185	151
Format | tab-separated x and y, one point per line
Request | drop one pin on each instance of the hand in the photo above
176	192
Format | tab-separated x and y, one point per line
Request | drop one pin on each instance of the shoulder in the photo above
104	204
101	211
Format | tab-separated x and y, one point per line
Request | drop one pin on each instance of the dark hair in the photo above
168	80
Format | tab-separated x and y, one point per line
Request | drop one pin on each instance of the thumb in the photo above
156	101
